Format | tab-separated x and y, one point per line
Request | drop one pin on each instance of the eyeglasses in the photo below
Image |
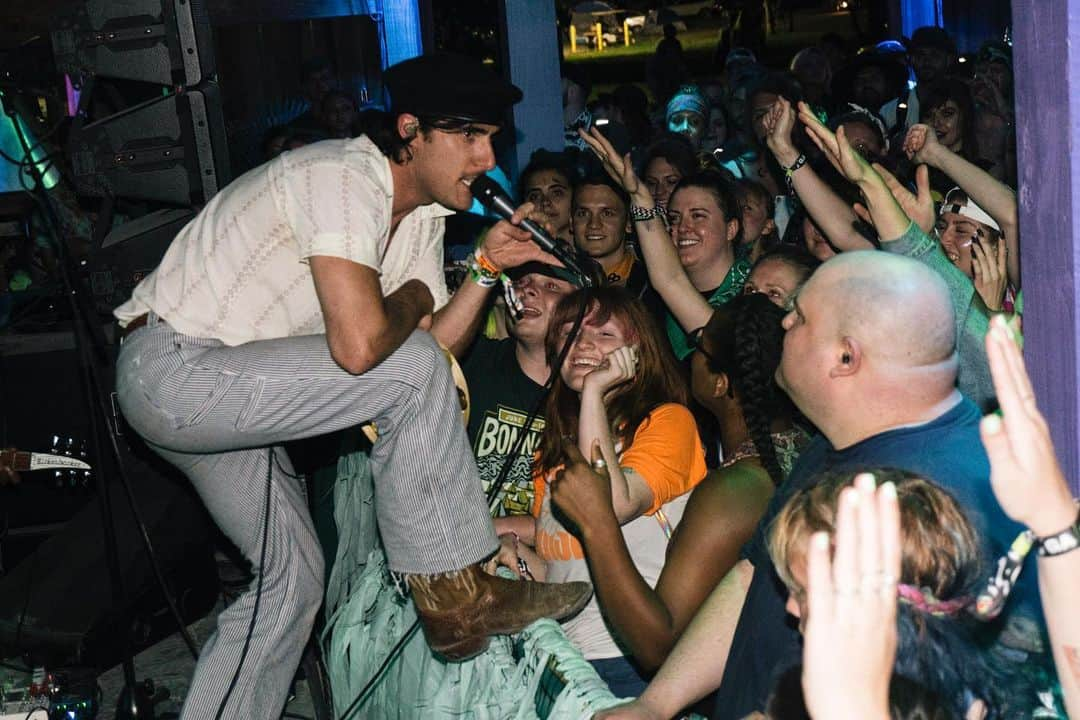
694	339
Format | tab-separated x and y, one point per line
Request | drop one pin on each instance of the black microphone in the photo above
495	199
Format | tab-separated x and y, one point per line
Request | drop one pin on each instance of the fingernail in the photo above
820	540
991	424
865	481
889	490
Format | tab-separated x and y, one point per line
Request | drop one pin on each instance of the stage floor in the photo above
169	665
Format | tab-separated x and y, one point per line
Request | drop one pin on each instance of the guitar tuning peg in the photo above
55	446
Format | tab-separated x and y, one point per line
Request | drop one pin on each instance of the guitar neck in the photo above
15	459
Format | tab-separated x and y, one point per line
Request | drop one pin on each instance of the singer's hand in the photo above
507	245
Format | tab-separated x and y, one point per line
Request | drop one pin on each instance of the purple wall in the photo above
1048	128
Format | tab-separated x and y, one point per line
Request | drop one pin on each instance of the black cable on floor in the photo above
258	586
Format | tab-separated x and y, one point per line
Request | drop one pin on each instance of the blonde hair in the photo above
940	549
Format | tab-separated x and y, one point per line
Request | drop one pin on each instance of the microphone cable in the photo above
494	492
258	585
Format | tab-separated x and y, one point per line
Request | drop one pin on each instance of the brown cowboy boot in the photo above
460	609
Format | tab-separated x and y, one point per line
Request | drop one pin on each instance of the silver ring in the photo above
600	464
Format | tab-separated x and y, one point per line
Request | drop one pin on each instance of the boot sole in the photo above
464	650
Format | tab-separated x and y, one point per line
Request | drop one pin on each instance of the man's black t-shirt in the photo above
501	397
946	450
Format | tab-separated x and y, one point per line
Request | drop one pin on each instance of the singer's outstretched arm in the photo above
505	246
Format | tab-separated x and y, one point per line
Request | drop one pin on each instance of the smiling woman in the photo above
620	401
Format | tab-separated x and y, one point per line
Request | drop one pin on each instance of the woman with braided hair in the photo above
737	354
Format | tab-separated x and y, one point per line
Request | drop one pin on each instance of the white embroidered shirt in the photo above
238	271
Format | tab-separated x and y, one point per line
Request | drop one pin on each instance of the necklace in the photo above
788	443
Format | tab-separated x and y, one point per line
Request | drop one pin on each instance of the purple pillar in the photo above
1048	128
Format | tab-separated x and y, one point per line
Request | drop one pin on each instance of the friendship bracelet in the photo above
639	213
479	271
485	263
790	170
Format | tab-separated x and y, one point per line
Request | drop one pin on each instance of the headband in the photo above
969	210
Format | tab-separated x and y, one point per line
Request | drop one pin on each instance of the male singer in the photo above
307	297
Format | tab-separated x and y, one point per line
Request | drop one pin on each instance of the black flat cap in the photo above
446	85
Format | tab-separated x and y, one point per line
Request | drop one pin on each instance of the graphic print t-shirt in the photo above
501	396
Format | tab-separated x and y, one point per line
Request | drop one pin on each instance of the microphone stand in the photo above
86	332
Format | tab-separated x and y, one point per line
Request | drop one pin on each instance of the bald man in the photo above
870	358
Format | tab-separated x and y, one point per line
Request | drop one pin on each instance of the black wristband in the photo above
1062	542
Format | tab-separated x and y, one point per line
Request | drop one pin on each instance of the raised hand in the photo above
991	275
835	146
851	607
1024	471
617	367
617	166
582	489
921	143
919	206
779	123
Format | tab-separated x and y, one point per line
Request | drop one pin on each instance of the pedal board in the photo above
23	694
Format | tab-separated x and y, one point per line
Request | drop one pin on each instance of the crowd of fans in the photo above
762	435
809	264
803	273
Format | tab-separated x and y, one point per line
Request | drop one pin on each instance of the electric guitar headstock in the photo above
67	459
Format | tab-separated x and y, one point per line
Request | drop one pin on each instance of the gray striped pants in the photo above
216	412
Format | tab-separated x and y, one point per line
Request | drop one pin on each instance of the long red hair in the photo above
657	380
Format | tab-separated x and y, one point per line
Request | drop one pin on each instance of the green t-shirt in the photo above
732	286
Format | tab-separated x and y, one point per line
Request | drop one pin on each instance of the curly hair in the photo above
947	653
657	380
745	339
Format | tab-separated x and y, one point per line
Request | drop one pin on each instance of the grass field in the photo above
699	44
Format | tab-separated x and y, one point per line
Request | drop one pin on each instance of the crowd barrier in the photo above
537	675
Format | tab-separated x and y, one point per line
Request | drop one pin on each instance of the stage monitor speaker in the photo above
170	150
130	251
167	42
